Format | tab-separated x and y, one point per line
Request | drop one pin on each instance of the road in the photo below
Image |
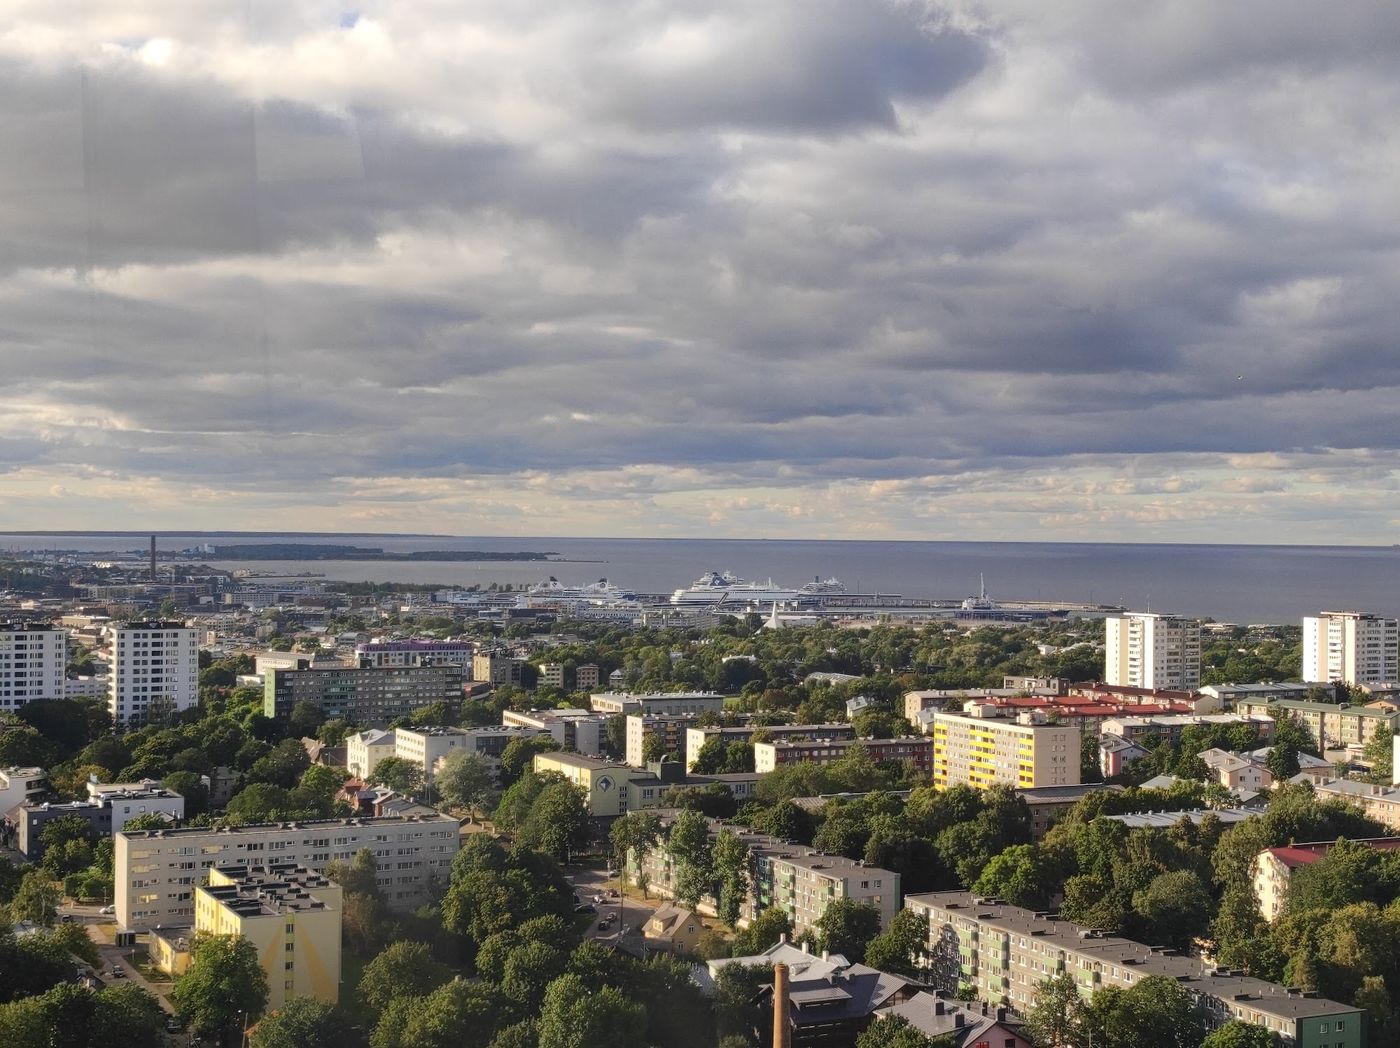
100	929
628	912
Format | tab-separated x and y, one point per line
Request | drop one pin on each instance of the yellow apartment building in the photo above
979	748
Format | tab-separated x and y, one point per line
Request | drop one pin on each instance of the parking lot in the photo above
615	911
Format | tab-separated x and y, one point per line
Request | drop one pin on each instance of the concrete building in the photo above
670	727
1146	650
156	871
653	703
1381	803
587	677
1238	771
1274	867
976	749
1135	728
33	663
496	666
796	879
155	671
290	914
917	749
1332	726
372	696
1007	952
107	809
582	731
611	789
1351	647
426	747
416	653
1230	694
696	737
552	674
1048	804
365	749
18	785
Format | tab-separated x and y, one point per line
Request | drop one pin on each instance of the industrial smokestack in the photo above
153	558
782	1030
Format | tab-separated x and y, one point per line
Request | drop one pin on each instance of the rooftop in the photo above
264	891
1295	855
299	824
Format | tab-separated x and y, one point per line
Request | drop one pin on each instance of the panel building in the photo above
978	748
917	749
1332	726
155	671
695	738
33	663
365	695
669	727
426	747
157	871
416	653
1007	952
657	703
1145	650
580	730
1351	647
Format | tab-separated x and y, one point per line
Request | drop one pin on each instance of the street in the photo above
627	912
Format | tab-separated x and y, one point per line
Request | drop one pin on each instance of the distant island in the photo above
309	551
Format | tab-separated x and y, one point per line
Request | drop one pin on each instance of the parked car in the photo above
585	908
118	972
107	910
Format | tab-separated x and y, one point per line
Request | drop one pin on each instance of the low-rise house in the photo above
831	1008
673	928
1236	771
966	1023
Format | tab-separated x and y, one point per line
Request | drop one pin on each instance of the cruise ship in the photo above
601	591
716	586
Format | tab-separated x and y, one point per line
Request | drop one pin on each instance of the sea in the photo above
1239	584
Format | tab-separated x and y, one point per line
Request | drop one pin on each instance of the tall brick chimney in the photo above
782	1030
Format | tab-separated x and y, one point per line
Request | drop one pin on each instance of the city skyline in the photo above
831	270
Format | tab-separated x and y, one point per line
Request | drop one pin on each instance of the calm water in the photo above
1228	583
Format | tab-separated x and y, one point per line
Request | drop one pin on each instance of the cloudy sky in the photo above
811	268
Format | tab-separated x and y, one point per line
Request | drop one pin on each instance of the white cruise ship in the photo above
716	586
599	592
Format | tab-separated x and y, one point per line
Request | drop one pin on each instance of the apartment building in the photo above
18	785
1135	728
1351	647
155	671
365	749
582	731
364	695
552	674
917	749
1332	726
1274	867
1146	650
1381	803
107	809
290	914
157	871
978	748
1007	952
33	663
671	727
611	789
587	677
796	879
416	653
656	703
496	666
696	737
426	747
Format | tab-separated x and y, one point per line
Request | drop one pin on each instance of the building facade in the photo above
587	677
580	730
979	750
696	737
497	667
416	653
290	914
157	871
107	809
370	695
33	663
1145	650
365	749
916	749
1351	647
155	671
670	727
1273	869
1007	952
657	703
427	746
1332	726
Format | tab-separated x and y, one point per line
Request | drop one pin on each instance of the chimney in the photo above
782	1030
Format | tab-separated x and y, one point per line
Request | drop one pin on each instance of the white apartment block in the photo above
365	749
1144	650
416	653
33	663
18	785
155	667
1350	646
669	703
581	730
426	747
978	748
156	871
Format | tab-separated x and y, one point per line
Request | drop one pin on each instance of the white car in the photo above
106	910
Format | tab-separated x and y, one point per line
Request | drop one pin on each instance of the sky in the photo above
1014	270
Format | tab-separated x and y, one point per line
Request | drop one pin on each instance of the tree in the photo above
519	755
303	1022
730	869
1156	1012
897	948
36	900
305	720
458	1014
763	931
1379	754
224	987
653	747
558	821
1176	907
402	969
634	835
846	927
127	1017
1239	1034
1020	875
895	1031
466	780
1282	761
260	802
572	1017
398	774
1053	1019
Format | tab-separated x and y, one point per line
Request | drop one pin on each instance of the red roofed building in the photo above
1273	869
1130	695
